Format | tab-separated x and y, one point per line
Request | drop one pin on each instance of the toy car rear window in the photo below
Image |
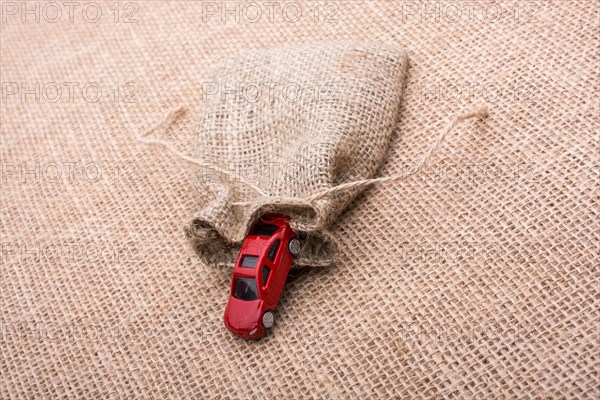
245	288
264	230
249	262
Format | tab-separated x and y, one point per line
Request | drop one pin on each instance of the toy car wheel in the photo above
268	319
294	246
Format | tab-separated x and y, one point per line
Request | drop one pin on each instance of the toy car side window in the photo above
249	262
273	250
265	274
264	230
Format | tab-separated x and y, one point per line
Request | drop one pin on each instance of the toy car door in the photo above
271	272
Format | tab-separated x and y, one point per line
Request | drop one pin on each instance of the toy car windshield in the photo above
264	230
245	289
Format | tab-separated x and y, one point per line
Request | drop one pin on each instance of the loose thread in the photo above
476	112
164	124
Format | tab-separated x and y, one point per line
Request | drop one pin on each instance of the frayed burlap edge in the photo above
319	248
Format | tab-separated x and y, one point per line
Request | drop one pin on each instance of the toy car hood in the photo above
243	315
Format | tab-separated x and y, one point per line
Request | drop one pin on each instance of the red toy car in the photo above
259	276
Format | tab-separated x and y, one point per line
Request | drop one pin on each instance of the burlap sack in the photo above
293	121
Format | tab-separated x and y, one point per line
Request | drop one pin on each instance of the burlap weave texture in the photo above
476	279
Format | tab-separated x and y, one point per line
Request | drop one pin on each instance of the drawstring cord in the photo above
480	111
